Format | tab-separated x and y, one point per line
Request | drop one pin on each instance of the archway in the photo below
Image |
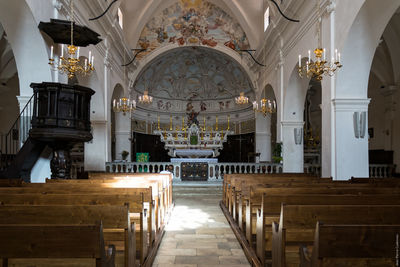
266	129
293	122
351	150
383	90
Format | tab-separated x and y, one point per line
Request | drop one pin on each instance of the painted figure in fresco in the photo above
192	114
203	106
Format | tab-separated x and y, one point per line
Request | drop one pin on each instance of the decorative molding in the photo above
350	105
292	124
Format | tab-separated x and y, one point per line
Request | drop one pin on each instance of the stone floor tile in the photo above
177	252
197	260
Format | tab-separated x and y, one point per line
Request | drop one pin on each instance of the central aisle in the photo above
198	234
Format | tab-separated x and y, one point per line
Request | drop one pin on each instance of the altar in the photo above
194	149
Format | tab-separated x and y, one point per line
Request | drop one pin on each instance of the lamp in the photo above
359	123
71	63
145	98
298	135
241	99
266	106
319	66
124	105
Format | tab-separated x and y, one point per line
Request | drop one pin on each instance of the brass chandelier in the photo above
124	105
266	106
70	63
315	68
241	99
145	98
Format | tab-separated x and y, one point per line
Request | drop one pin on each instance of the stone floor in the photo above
198	234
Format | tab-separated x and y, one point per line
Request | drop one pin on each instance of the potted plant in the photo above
277	153
124	154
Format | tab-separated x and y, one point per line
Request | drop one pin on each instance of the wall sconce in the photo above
360	123
298	135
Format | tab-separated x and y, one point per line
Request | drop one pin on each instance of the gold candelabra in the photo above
70	63
124	105
266	106
145	98
315	69
241	99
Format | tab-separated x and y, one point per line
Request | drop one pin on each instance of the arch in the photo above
360	46
295	95
152	7
159	52
30	51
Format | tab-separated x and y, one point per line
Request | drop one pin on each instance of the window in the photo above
120	17
266	19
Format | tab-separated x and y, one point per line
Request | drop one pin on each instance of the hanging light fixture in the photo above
319	66
266	106
145	98
241	99
124	105
70	63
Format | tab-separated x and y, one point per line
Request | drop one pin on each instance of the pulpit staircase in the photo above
18	152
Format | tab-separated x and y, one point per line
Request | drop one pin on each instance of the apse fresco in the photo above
193	74
192	22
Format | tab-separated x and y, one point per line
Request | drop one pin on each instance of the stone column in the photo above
122	135
292	149
263	137
389	93
351	151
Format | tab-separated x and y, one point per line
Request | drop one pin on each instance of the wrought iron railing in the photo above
14	139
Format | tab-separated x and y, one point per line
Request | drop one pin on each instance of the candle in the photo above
51	52
339	57
336	55
309	55
62	50
85	63
228	121
77	53
216	123
324	54
307	66
299	61
92	60
170	122
90	56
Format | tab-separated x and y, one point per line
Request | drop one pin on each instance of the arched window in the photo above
120	18
266	19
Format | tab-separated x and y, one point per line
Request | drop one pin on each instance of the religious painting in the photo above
192	22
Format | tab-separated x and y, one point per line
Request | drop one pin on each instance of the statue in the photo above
192	115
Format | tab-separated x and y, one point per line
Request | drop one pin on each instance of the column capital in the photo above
22	101
331	6
351	104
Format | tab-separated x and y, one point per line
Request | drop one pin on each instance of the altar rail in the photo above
217	170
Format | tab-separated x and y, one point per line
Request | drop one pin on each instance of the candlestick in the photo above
204	124
158	122
183	123
170	122
228	122
51	52
216	123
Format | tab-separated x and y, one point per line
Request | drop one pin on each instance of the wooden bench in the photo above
10	182
278	195
138	209
353	246
117	229
297	225
47	242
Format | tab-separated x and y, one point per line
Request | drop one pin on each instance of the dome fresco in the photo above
192	74
192	22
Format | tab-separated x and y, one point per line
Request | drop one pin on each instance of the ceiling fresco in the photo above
192	22
193	74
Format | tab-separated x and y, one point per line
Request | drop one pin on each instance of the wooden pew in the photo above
159	184
353	246
150	195
137	208
297	225
46	242
228	180
10	182
117	229
279	195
